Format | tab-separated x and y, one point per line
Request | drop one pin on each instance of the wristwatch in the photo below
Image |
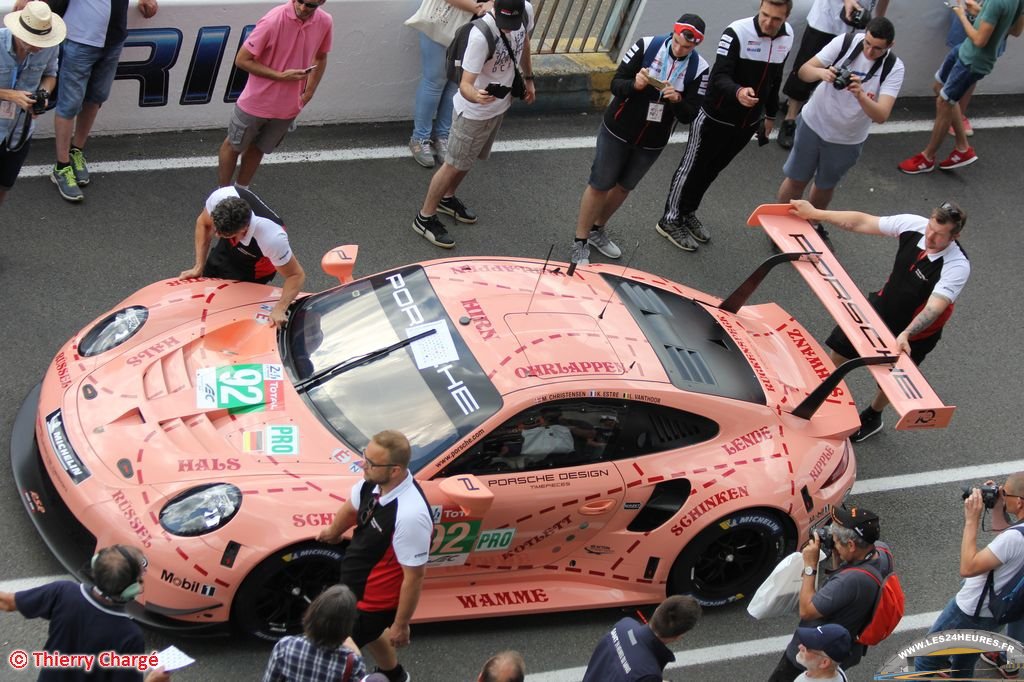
810	571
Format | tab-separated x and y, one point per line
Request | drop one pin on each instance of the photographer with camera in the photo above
866	78
1002	559
849	595
28	64
490	80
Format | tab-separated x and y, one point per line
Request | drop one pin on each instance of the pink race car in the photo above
587	440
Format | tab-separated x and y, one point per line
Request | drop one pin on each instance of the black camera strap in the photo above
26	126
512	56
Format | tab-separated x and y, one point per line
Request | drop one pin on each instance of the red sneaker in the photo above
958	159
968	129
916	164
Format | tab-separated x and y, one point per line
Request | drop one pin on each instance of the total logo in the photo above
186	584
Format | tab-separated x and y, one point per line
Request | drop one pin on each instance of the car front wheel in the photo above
273	597
729	559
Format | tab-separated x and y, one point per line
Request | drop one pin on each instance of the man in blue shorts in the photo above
660	81
964	66
96	33
832	128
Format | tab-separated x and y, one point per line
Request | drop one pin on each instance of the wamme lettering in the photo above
510	598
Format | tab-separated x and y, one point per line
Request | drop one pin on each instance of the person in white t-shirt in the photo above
1003	557
480	105
832	128
824	22
820	650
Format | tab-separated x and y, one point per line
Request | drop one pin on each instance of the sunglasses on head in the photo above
690	33
953	212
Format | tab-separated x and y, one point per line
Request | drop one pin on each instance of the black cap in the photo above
693	20
509	14
861	521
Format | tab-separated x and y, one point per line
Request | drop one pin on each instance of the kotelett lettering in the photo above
186	584
66	455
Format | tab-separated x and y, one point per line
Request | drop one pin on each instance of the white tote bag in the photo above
779	594
438	20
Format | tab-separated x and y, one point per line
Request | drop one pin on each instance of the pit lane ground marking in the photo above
728	652
401	152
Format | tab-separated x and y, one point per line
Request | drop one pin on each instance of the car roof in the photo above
528	328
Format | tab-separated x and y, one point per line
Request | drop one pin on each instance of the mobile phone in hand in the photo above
309	68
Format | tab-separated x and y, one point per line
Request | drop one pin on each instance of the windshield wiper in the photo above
351	363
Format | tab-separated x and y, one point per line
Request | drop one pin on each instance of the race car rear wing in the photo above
898	377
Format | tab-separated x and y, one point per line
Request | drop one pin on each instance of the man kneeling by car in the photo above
253	246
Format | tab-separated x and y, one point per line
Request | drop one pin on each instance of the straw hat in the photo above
37	25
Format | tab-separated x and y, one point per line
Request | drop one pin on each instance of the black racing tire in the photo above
730	558
270	603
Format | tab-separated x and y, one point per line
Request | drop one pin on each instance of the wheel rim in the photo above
732	561
282	599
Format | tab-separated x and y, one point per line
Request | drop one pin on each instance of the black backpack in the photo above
457	48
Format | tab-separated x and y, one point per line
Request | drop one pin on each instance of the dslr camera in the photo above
824	536
497	90
39	106
843	79
989	494
858	18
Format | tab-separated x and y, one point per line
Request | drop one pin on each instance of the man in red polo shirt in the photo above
285	56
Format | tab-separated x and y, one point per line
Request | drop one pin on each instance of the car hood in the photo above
207	396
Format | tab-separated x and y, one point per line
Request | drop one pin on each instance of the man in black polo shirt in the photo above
917	299
90	618
387	558
635	652
253	245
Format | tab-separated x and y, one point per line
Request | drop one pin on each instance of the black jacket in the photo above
626	115
747	58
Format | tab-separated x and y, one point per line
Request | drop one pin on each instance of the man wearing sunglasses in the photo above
744	88
285	57
998	562
386	560
916	301
660	81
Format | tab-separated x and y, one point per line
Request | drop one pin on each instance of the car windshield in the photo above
432	390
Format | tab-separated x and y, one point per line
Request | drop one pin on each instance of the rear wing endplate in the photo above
899	378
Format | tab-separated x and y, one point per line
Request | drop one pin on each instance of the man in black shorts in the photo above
387	558
917	299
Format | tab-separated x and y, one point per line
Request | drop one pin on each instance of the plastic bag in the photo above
779	594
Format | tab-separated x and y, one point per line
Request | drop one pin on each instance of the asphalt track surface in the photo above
62	264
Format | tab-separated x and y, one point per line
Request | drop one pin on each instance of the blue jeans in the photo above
86	74
952	618
434	94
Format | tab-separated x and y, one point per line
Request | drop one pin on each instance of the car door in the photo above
550	490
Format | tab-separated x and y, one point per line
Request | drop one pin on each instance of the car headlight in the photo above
201	510
113	330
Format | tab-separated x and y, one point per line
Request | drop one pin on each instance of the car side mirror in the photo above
467	491
340	261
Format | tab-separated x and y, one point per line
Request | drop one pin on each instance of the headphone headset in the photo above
134	588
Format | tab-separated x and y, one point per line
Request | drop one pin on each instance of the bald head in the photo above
508	666
1015	484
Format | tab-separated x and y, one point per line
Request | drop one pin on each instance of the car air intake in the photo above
666	500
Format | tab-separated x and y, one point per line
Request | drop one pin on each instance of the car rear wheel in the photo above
273	597
729	559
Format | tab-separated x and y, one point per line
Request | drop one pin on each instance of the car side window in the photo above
578	432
